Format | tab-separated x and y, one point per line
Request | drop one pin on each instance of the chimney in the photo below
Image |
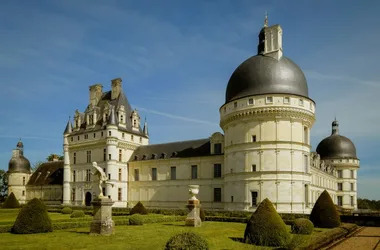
96	92
270	40
115	88
55	157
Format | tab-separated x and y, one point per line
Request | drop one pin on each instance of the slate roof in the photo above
181	149
48	173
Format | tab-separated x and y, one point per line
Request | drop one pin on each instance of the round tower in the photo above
112	154
266	120
19	172
340	152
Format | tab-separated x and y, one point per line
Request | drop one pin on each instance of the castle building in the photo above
263	152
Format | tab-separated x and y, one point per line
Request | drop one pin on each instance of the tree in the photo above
3	184
51	156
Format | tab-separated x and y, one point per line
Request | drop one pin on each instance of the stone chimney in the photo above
115	88
96	92
270	41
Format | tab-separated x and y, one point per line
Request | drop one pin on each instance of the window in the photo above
352	201
307	195
121	119
104	154
23	181
217	194
74	176
173	173
217	170
340	174
253	168
122	135
119	194
76	123
253	138
120	155
88	156
194	172
137	175
109	176
306	163
86	137
109	133
73	194
235	104
305	135
120	174
301	102
217	148
232	199
101	134
134	123
72	138
269	99
352	174
78	137
250	101
91	119
340	200
23	192
131	137
154	174
88	175
340	186
254	199
286	99
140	139
352	186
109	156
94	135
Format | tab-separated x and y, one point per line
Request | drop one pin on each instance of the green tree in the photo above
3	184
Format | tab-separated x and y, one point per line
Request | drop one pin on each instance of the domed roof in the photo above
262	74
336	146
19	164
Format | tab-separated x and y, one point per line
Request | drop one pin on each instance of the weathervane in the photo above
266	19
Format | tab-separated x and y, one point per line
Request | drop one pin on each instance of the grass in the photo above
220	235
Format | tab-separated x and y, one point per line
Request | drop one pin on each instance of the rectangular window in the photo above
250	101
94	135
119	198
74	176
173	173
305	135
217	194
154	174
120	174
109	133
109	156
269	99
254	168
78	137
23	181
120	155
301	102
23	192
101	134
88	156
104	154
137	175
88	175
73	194
352	201
217	148
194	172
352	174
254	199
352	186
131	137
340	186
232	199
217	170
122	135
85	136
306	163
340	174
104	191
253	138
140	139
109	176
72	138
340	200
235	104
286	99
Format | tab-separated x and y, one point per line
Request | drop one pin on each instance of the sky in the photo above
175	58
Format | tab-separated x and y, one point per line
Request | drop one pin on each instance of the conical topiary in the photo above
32	219
324	213
11	202
139	209
266	228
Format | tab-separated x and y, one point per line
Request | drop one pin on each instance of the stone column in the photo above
102	223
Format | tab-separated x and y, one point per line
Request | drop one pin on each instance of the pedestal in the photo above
102	223
193	219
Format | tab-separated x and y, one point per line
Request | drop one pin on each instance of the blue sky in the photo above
175	59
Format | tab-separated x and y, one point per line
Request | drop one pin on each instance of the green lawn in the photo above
220	235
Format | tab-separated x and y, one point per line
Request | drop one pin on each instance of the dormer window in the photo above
136	157
163	155
174	154
154	156
91	119
76	123
134	123
217	148
121	119
144	157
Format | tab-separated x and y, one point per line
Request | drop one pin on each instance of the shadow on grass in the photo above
238	239
175	225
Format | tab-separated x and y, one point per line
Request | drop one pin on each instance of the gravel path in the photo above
366	239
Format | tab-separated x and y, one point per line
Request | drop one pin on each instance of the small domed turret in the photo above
18	163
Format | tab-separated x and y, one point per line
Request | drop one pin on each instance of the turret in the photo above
270	40
145	129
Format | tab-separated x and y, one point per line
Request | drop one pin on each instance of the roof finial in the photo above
266	19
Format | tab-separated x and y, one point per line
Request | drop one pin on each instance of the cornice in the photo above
260	143
270	112
89	144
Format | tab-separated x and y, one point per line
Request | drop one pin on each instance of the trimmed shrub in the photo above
77	214
266	228
202	214
187	240
138	209
33	218
11	202
136	219
324	213
302	226
66	210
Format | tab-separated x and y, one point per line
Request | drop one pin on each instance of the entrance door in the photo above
88	199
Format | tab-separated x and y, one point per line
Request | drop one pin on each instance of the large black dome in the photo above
262	74
336	145
19	164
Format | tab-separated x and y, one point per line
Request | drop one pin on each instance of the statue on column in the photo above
102	178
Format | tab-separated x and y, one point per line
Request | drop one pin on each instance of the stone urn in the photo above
193	191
